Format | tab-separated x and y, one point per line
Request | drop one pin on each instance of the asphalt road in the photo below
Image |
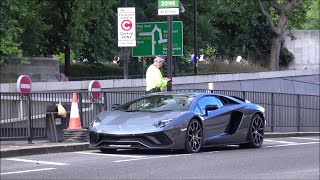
279	158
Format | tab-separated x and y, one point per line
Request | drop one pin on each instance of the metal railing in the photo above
24	115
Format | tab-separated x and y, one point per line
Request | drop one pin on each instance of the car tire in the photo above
194	135
105	150
255	133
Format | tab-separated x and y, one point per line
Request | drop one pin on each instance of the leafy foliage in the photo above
312	20
81	70
286	57
12	11
281	14
77	29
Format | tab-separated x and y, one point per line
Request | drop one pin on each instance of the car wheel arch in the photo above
249	142
198	119
197	136
261	115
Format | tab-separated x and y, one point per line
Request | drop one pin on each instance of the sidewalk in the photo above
23	148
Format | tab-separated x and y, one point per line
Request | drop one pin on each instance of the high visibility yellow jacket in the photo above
154	78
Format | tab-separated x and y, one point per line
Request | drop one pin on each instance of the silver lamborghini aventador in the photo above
186	121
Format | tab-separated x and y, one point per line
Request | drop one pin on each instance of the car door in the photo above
214	122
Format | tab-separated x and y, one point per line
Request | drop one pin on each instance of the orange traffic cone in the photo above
74	122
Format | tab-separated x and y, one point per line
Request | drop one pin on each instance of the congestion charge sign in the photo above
126	27
168	7
168	4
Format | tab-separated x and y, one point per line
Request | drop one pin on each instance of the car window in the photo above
158	103
198	110
209	100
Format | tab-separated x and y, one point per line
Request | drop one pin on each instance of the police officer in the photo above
154	79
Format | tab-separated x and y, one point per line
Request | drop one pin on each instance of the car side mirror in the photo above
211	108
114	106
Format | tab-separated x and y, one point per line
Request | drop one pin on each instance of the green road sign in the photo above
168	4
151	39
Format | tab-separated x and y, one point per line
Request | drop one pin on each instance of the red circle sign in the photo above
24	84
126	25
94	89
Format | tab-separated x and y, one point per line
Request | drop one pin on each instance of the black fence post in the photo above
298	114
80	108
272	112
105	101
29	119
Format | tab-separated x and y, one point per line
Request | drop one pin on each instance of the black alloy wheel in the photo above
255	132
194	137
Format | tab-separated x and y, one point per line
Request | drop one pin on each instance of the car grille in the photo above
136	141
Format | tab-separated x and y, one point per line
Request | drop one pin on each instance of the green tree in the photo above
76	24
312	21
10	28
278	13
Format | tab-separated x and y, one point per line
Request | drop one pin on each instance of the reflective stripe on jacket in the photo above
154	78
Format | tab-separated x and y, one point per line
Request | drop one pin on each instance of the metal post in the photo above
126	59
29	120
174	66
80	109
105	100
195	39
125	64
272	112
298	114
169	50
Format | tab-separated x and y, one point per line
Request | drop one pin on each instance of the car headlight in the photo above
162	123
96	121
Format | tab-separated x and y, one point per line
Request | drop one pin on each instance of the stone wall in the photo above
38	69
305	48
290	81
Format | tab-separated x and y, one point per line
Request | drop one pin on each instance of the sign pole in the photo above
125	64
195	40
29	120
169	51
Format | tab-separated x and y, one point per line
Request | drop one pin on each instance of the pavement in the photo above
23	148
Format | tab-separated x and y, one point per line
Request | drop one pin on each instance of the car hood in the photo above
136	118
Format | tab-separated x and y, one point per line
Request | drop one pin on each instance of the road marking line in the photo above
286	142
34	170
155	157
293	144
38	162
305	138
112	155
213	152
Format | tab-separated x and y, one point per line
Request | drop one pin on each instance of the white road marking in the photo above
38	162
34	170
112	155
293	144
213	152
286	142
313	139
154	157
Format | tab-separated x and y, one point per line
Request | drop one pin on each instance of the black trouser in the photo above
153	90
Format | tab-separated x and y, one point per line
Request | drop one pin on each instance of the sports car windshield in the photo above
158	103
